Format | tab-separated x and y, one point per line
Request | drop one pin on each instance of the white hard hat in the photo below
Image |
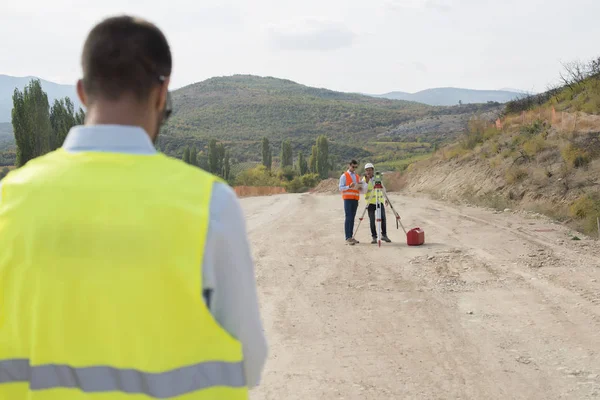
369	165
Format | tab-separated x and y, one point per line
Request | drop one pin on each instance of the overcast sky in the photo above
371	46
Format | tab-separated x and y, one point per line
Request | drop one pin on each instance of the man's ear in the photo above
162	94
81	93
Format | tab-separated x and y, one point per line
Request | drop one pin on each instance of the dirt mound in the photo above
248	191
327	186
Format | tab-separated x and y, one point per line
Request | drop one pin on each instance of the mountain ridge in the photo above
431	96
450	96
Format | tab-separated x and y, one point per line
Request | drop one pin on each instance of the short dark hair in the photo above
122	55
353	162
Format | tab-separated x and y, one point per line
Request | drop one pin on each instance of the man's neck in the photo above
118	113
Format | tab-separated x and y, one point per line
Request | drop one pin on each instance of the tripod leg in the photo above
360	220
395	213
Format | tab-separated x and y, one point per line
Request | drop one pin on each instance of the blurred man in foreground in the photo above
123	272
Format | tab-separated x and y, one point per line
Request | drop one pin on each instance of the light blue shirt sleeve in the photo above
229	280
343	185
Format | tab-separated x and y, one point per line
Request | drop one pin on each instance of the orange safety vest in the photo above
350	194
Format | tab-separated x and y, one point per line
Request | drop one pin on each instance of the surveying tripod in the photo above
380	196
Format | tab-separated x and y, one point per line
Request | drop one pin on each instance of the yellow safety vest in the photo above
370	194
101	284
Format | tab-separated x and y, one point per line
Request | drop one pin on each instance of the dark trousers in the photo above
371	210
350	207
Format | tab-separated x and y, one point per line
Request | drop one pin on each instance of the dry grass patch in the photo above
515	174
534	146
585	210
575	156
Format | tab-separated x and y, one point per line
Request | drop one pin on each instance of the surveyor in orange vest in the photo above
351	186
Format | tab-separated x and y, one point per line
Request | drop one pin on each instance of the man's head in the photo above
352	165
126	65
369	169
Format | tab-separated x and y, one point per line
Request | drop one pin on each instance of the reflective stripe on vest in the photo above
101	284
350	194
106	379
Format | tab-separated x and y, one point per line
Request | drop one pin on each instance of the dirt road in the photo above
494	306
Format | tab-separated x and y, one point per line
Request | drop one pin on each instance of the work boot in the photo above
350	242
386	239
374	240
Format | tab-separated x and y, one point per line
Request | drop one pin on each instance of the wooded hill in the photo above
241	109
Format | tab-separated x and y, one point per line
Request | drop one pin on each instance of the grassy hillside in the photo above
241	109
545	157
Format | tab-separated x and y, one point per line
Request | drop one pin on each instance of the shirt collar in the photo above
109	138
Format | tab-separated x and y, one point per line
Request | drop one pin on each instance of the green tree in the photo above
186	155
80	117
267	155
312	161
302	164
194	156
216	158
227	166
287	159
62	119
221	160
203	161
213	156
21	129
31	122
4	172
323	164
